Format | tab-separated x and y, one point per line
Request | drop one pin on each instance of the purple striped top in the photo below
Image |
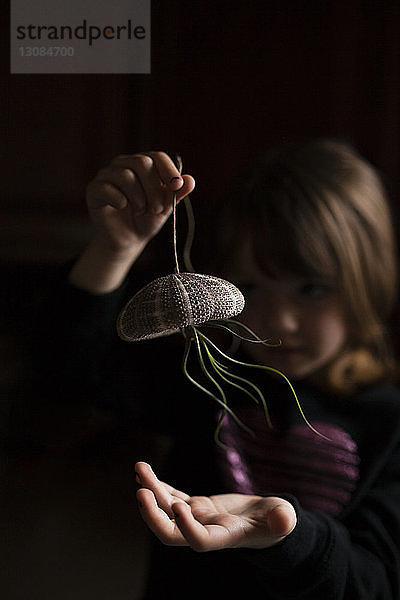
321	473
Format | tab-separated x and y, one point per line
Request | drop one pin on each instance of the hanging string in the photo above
191	226
179	165
190	235
169	304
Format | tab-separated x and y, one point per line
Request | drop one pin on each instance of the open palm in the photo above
211	522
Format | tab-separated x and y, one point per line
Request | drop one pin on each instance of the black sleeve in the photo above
79	358
355	558
73	333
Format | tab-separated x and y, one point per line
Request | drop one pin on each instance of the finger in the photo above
116	187
202	538
159	177
102	193
157	519
187	187
281	519
129	184
165	494
168	171
145	172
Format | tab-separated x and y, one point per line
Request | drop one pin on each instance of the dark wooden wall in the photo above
229	79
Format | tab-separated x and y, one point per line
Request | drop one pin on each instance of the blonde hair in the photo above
319	208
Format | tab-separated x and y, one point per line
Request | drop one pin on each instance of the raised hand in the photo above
211	522
129	201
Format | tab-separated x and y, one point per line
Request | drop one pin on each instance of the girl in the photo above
307	235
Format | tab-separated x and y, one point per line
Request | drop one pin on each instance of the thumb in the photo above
281	518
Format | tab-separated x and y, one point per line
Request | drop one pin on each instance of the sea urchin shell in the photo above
175	301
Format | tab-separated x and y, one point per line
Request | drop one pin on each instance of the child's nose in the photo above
285	319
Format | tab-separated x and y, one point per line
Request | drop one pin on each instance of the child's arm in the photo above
323	557
129	201
214	522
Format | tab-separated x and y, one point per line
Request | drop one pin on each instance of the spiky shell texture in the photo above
173	302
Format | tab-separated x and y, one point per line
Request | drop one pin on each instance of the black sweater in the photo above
346	491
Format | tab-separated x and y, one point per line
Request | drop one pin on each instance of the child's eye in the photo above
315	290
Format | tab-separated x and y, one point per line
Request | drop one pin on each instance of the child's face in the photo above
307	315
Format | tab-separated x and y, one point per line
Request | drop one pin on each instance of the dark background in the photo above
229	79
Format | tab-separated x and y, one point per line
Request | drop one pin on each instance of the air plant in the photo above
185	302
